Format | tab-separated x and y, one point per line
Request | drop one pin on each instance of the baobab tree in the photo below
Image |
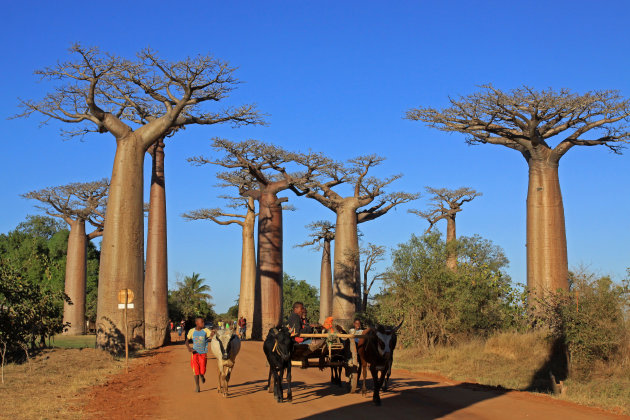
372	254
138	101
246	220
322	234
156	270
445	204
268	166
350	211
528	120
76	204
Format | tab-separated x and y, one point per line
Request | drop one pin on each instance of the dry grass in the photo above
51	387
511	359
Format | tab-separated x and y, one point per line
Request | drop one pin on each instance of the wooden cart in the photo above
339	351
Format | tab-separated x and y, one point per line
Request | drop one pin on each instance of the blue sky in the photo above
337	77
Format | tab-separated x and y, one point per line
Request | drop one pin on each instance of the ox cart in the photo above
339	352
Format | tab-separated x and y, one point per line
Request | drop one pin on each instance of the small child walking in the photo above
200	336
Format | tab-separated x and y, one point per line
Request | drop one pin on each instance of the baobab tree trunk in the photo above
451	251
248	269
347	270
76	276
325	284
547	265
122	250
156	276
269	272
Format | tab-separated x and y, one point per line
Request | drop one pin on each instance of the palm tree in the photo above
193	294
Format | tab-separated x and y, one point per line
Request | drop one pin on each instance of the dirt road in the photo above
161	387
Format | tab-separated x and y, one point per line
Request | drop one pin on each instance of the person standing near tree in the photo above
200	335
242	327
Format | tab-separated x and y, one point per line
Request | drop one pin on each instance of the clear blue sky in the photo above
337	77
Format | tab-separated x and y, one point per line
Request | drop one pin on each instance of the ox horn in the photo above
399	325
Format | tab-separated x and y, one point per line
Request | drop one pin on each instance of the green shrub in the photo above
591	318
440	305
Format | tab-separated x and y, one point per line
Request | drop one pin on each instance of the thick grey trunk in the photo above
156	277
122	251
76	276
347	267
325	284
248	270
547	264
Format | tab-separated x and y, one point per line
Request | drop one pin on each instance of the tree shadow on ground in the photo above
557	364
409	399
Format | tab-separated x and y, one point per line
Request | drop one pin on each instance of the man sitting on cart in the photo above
298	326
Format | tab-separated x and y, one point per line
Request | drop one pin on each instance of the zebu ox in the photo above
377	351
225	346
278	348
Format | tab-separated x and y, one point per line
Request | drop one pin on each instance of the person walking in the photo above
200	336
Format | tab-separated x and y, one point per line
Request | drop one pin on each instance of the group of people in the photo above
180	328
298	323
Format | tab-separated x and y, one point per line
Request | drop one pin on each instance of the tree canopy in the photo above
526	119
102	92
300	291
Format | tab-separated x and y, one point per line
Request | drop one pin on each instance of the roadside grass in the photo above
74	341
51	385
510	360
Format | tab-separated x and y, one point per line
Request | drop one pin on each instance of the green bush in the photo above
28	313
440	305
591	318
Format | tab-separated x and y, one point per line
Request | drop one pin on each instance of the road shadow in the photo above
413	399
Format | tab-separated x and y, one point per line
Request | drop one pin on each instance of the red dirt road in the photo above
160	386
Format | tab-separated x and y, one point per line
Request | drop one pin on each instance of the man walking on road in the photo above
199	337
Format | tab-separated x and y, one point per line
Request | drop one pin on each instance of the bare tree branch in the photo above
525	119
445	203
321	230
79	201
147	96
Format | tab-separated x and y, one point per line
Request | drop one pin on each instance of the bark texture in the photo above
122	250
269	273
325	284
248	268
451	237
547	264
76	276
347	276
156	276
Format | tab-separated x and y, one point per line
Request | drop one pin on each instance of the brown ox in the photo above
377	350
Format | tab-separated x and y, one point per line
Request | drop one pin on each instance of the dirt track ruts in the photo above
161	387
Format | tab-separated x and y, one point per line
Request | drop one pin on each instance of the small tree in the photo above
246	221
527	120
322	234
351	210
445	204
76	204
27	313
138	101
372	254
300	291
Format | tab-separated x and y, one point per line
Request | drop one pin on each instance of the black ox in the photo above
278	348
377	351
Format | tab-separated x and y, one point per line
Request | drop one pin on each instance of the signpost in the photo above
125	301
